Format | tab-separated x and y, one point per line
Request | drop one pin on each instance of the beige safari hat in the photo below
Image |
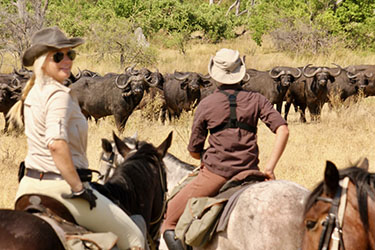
227	67
45	40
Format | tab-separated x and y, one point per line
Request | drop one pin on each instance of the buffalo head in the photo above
284	75
191	80
152	79
358	77
134	84
322	74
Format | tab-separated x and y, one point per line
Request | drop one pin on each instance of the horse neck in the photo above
371	215
176	169
355	234
139	181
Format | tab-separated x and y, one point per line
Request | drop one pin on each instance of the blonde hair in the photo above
15	114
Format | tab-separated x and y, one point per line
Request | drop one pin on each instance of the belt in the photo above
43	175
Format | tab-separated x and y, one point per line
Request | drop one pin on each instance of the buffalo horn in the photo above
310	75
12	89
130	69
16	81
276	76
148	80
181	78
79	74
351	76
125	85
246	78
205	77
339	72
369	75
298	74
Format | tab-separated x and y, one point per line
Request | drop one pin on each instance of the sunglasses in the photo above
59	56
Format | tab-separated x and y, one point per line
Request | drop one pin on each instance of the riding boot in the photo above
141	223
172	242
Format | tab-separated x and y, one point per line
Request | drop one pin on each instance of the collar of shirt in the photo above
229	86
47	80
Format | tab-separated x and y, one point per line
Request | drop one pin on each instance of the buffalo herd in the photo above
119	94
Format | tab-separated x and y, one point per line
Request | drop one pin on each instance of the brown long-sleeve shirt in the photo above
231	150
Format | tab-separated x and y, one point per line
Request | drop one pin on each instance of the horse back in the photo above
20	231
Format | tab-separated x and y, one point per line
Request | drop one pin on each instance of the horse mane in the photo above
180	163
365	185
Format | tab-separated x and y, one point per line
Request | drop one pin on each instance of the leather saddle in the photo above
38	203
62	221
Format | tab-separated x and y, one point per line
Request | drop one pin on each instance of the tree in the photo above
19	21
236	4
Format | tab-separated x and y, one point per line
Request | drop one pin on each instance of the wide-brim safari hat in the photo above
45	40
227	67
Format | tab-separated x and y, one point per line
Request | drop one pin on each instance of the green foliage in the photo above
351	22
294	24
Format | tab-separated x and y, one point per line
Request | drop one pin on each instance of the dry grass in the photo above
343	136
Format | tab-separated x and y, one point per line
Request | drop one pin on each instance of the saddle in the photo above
203	216
71	235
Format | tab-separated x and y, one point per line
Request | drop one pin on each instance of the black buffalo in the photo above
182	91
272	84
111	94
311	91
11	86
353	80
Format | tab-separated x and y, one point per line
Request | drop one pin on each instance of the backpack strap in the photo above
233	122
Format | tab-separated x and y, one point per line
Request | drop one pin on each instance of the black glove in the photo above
85	194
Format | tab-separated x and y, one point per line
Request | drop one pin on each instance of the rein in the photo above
110	161
332	226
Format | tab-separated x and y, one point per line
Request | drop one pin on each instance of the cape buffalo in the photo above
182	91
112	94
352	80
311	91
11	86
272	84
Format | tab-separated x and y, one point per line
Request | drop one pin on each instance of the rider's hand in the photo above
270	175
85	194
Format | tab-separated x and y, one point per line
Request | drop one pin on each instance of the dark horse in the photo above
340	212
138	186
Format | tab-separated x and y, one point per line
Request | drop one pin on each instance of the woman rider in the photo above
56	132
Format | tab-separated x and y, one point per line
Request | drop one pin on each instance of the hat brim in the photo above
224	77
32	53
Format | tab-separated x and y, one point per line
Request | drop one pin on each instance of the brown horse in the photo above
138	186
340	212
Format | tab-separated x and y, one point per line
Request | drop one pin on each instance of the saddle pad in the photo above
233	195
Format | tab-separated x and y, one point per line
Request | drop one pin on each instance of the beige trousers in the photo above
105	217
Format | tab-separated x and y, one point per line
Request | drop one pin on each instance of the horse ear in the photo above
106	145
120	145
135	136
363	163
163	147
331	179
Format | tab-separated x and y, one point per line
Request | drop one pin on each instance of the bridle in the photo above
110	162
332	226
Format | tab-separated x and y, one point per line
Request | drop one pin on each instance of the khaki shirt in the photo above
231	150
50	113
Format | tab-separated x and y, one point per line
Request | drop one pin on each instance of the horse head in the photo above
339	212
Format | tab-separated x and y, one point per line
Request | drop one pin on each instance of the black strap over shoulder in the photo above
233	122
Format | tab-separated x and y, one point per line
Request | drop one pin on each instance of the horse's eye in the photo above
310	224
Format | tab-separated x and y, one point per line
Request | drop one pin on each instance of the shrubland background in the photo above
270	33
